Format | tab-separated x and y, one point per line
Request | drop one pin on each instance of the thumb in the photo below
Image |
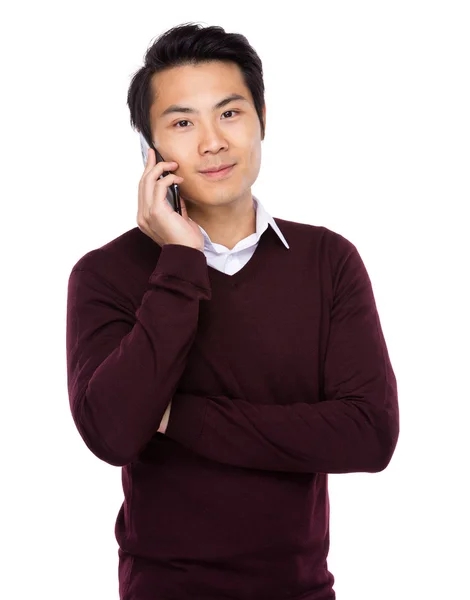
184	212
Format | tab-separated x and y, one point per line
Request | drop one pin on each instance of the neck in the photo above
226	224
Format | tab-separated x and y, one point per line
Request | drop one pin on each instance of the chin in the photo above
211	199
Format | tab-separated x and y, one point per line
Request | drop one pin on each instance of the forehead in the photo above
192	84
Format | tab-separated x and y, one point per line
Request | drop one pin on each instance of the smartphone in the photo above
173	194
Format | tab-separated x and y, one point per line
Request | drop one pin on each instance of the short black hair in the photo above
191	43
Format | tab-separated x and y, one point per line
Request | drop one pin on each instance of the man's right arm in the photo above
123	366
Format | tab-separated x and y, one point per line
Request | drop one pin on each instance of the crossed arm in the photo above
356	427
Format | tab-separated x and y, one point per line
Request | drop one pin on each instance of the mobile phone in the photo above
173	194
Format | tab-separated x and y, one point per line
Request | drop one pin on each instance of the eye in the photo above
231	111
186	121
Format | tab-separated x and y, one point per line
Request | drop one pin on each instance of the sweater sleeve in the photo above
354	428
123	365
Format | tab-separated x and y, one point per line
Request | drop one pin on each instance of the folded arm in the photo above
123	365
353	429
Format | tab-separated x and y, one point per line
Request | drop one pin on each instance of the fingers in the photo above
156	217
153	187
156	192
156	169
154	209
151	160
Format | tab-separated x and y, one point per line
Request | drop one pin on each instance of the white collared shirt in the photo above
230	261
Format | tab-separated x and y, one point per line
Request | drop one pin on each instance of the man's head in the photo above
179	99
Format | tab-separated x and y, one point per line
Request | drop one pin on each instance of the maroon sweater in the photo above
279	374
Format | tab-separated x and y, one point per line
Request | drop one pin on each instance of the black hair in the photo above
191	43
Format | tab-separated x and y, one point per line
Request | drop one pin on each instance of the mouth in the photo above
218	174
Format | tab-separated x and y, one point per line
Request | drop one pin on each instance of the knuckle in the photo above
166	179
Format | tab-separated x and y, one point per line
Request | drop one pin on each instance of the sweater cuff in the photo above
186	418
183	262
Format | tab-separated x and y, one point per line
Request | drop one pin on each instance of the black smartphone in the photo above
173	195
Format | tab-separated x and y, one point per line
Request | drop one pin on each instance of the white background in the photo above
368	133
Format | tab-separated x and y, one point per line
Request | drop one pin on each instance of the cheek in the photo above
255	156
178	152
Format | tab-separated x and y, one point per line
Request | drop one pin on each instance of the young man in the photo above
226	360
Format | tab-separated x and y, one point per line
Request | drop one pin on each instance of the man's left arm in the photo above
354	429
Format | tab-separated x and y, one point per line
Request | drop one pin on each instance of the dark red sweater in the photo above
279	375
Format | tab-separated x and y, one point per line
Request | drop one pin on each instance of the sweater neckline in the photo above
247	269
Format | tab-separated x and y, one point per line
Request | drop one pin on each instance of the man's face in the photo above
207	136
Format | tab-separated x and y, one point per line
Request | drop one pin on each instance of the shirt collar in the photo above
263	220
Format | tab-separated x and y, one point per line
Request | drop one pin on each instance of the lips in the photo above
216	169
218	175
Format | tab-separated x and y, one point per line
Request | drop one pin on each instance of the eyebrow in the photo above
175	108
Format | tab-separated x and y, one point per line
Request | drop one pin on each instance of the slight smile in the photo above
218	174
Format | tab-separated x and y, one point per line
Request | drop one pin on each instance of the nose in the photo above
212	140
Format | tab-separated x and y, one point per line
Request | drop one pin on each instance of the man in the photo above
226	360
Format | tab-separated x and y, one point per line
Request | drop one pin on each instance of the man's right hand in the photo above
155	217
